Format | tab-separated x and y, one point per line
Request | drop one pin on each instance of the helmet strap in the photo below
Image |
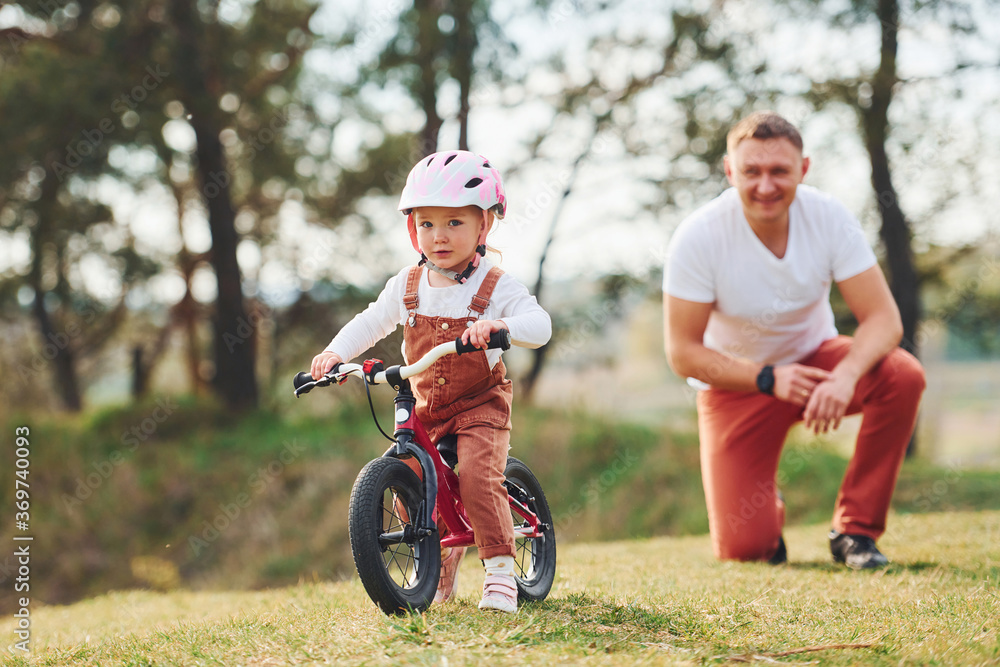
481	248
460	278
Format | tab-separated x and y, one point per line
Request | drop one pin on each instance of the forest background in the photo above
197	194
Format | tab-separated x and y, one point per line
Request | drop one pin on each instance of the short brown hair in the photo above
762	125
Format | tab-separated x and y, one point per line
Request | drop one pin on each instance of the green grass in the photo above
653	601
277	486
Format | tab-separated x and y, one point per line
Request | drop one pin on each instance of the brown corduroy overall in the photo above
461	395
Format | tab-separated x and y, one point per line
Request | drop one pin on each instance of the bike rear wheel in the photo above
398	569
535	557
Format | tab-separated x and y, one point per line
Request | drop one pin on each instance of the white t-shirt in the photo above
767	309
527	321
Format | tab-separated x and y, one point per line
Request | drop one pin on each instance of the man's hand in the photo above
795	383
479	333
828	403
323	363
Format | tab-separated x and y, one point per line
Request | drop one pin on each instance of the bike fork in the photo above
406	422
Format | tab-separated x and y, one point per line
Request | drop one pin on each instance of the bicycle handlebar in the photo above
499	340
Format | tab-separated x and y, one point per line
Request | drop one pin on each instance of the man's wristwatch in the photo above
765	380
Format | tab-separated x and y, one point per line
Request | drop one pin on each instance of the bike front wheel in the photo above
398	568
535	557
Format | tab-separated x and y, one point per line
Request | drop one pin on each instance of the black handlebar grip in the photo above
301	379
499	340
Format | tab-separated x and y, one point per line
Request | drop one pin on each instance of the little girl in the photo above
450	201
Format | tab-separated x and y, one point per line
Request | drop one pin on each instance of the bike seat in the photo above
447	446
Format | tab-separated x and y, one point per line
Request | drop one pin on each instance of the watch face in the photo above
765	380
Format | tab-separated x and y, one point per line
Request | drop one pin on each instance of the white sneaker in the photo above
500	593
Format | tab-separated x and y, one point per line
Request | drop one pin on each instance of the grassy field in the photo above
206	501
654	601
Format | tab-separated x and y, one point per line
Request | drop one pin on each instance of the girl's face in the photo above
449	235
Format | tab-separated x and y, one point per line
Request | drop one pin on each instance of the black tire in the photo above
534	558
402	576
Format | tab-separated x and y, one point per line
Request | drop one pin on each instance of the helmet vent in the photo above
450	158
429	160
473	182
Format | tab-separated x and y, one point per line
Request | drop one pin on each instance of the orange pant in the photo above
742	435
482	457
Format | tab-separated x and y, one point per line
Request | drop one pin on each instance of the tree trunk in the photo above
895	234
58	347
465	49
540	354
235	379
64	377
186	312
895	230
428	40
140	374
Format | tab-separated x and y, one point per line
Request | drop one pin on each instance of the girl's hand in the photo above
323	363
479	333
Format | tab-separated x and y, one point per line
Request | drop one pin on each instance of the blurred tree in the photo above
52	85
720	71
962	294
870	95
195	68
195	98
872	109
462	53
895	230
701	106
438	42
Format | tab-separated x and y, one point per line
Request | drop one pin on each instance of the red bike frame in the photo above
448	499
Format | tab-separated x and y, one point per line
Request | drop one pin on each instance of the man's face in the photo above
766	173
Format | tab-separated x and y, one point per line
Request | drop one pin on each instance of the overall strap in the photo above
482	298
410	299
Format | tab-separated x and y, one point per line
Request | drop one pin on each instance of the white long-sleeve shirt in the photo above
530	326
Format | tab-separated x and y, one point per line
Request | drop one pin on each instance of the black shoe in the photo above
856	551
781	555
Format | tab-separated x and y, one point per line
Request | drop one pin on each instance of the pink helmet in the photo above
452	178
